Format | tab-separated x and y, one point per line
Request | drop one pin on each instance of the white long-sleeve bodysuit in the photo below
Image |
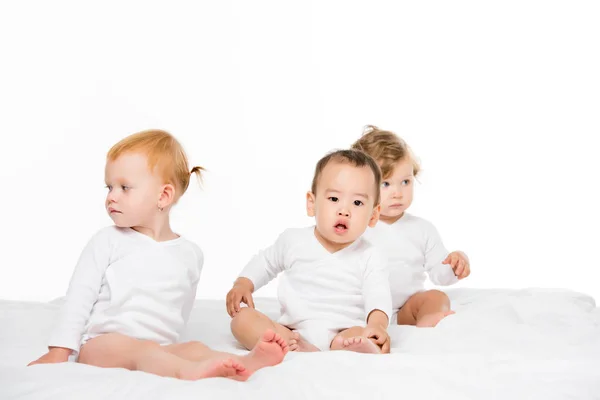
322	293
413	248
126	282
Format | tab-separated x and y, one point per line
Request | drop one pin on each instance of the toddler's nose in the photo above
343	213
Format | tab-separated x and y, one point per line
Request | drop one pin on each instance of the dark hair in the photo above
356	158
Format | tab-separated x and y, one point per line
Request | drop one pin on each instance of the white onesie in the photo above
322	293
413	247
126	282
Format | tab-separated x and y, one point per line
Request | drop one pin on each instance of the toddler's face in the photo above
133	191
344	204
397	191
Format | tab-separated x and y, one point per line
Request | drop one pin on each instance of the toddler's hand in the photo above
241	292
379	336
459	263
53	356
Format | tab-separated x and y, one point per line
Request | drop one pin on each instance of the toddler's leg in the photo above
249	325
269	351
425	309
113	350
352	339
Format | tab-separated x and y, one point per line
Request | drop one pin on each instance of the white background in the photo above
499	100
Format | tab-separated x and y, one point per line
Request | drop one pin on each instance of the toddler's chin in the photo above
393	213
121	224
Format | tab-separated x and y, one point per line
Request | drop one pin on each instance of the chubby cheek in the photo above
323	220
385	197
408	199
361	219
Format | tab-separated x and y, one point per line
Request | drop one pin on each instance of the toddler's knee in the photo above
244	317
438	296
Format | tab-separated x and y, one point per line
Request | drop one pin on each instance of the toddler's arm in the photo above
261	269
378	301
187	308
82	294
440	274
376	288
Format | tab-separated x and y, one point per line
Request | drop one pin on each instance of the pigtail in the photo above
198	171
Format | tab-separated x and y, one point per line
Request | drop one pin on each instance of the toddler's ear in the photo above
167	196
310	204
375	216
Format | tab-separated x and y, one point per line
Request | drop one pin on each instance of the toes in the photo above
238	366
227	363
268	336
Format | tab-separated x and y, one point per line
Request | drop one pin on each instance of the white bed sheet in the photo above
501	344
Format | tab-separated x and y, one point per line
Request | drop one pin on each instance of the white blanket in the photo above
501	344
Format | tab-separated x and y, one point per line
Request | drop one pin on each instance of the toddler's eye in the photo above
333	198
358	203
385	184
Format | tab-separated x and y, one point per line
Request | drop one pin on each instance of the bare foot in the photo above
431	320
227	368
269	351
297	343
357	344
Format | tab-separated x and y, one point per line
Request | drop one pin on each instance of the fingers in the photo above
459	262
455	261
370	334
237	301
385	348
233	303
452	261
460	268
249	300
234	300
466	272
230	303
380	339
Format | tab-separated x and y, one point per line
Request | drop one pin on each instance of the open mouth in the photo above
341	227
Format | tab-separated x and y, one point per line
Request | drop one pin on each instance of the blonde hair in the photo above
352	157
166	157
387	148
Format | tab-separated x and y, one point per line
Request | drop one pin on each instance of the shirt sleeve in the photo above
435	253
267	264
376	285
195	279
82	294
